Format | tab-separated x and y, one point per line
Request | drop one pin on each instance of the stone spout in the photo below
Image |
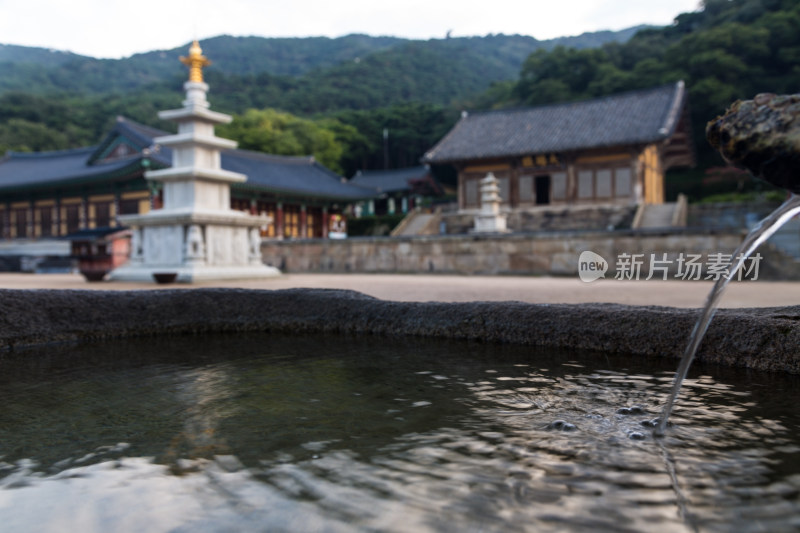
763	136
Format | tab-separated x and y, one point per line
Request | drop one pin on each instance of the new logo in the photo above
591	266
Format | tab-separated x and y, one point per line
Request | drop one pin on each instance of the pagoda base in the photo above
191	273
490	224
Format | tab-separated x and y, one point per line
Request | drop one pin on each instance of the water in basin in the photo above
269	433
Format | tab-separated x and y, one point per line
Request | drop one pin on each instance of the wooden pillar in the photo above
115	207
637	180
279	220
513	185
83	213
461	192
57	217
31	220
571	195
6	233
325	222
303	221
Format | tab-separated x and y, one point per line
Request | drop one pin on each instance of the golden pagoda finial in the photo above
196	61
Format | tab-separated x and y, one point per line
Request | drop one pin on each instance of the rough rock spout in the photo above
763	136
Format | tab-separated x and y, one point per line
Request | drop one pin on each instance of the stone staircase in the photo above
666	215
656	216
418	223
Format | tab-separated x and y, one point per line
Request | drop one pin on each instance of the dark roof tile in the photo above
389	180
291	176
54	168
628	118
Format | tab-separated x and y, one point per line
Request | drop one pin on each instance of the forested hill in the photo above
334	98
11	53
490	58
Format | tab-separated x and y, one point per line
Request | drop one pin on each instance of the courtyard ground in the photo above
444	288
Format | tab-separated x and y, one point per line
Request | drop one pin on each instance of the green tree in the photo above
499	95
279	133
411	128
609	79
560	75
22	135
729	50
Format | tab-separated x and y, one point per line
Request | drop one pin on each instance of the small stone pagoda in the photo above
195	235
489	219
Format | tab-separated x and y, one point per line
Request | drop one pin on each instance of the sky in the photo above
115	28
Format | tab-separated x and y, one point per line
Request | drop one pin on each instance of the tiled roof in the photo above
291	176
301	176
389	180
134	130
138	135
20	170
628	118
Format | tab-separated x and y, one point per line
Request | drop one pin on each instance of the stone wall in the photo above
554	253
550	218
734	215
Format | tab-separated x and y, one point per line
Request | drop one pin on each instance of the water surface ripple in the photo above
266	433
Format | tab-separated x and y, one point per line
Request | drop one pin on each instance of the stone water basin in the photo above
327	418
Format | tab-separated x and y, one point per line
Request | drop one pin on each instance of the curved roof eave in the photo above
131	169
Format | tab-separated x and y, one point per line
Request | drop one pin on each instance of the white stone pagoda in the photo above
196	234
490	219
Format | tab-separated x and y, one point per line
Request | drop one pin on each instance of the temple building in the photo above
399	190
53	194
608	151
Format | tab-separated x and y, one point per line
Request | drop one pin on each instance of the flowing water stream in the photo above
751	242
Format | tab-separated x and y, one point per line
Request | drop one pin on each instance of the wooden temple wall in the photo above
57	217
623	175
51	217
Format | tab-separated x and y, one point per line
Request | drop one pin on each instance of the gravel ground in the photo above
442	288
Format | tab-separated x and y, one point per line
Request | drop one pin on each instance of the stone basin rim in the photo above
765	339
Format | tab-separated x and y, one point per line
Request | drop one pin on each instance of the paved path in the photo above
422	288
